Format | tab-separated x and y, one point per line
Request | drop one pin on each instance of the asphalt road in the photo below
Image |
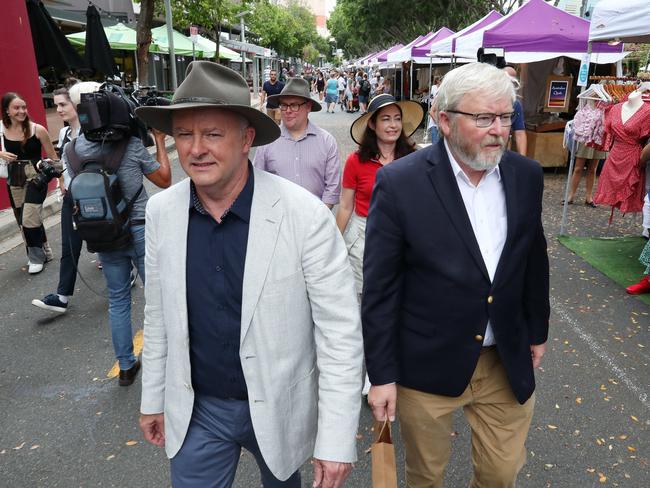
65	423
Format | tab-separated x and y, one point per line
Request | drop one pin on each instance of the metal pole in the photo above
243	40
170	40
256	80
565	207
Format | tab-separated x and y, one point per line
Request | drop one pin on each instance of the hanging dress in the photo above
622	181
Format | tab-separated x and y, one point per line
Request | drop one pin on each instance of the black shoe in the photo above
590	204
127	376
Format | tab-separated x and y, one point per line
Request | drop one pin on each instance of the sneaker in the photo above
34	268
49	255
51	303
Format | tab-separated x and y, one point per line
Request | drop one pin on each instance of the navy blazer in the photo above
427	295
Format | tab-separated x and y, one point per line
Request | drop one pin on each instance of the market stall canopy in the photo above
119	37
182	44
383	57
51	47
403	54
627	21
98	52
446	45
422	48
535	32
209	49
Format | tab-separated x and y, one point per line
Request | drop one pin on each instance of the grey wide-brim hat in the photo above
412	115
208	84
297	87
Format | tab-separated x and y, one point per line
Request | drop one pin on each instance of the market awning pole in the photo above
426	127
565	206
170	42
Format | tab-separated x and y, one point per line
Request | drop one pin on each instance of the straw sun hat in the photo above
208	84
412	115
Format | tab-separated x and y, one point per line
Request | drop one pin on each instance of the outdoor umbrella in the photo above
51	47
98	51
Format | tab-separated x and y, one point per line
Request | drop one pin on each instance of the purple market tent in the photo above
383	57
535	32
445	47
404	54
421	49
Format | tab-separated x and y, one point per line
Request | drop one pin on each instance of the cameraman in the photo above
136	164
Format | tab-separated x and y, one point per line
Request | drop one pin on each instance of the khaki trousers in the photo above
499	426
275	114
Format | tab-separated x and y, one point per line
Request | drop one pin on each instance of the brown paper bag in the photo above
384	470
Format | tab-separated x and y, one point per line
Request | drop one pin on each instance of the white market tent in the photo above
627	21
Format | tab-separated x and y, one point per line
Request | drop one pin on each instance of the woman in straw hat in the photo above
382	134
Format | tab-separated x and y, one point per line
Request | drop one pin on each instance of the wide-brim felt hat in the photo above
297	87
412	115
209	84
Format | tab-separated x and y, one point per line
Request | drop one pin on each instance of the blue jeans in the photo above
117	272
208	458
70	249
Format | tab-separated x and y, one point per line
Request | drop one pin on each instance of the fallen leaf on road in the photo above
631	448
552	427
131	443
602	478
634	418
35	446
579	401
110	457
19	447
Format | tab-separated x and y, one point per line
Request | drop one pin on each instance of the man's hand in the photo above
537	353
383	400
158	136
330	474
153	427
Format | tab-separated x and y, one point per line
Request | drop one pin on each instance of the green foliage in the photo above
362	26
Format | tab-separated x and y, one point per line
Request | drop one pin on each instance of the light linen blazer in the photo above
301	346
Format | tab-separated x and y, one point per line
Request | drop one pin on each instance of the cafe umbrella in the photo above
51	47
98	51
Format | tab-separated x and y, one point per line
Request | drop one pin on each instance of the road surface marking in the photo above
138	341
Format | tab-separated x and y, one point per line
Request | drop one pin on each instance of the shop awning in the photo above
209	48
182	44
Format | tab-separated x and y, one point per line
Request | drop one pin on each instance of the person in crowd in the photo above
382	136
444	326
304	153
350	86
377	85
136	164
432	126
364	93
518	129
259	346
643	286
23	143
71	244
272	87
589	157
343	83
331	93
320	85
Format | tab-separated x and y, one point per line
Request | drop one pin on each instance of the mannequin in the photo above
627	127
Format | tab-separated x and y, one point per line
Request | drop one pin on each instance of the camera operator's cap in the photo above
412	115
297	87
208	84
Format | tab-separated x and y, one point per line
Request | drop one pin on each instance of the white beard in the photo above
477	160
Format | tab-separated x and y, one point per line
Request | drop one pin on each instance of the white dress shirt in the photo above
485	204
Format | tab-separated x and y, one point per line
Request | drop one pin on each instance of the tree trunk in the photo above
217	38
143	39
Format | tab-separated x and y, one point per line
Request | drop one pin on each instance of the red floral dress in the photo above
622	182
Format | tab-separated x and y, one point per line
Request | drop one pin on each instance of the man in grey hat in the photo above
304	153
258	344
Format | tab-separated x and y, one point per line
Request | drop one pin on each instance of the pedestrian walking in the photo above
304	153
518	128
331	93
320	85
118	261
259	344
272	87
23	143
455	305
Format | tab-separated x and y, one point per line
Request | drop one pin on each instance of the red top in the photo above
360	176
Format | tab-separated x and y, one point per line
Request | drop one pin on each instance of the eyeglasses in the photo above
486	120
294	107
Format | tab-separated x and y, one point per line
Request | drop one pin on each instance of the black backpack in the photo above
365	88
100	210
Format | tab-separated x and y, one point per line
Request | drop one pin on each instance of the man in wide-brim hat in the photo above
248	290
304	153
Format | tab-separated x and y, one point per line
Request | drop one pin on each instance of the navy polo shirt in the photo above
216	254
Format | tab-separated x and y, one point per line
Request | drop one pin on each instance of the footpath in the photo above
52	204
